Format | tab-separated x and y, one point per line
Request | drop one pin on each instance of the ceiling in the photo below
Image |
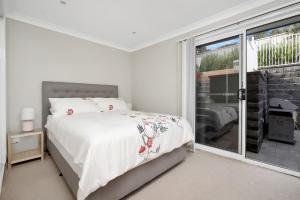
112	22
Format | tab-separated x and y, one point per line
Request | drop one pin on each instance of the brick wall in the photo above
284	83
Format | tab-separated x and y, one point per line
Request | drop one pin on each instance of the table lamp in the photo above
27	118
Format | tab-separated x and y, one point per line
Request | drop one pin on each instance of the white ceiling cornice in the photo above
63	30
240	8
206	21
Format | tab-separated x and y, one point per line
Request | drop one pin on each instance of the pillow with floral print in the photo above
71	106
111	104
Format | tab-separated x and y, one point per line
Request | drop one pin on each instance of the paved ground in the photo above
280	154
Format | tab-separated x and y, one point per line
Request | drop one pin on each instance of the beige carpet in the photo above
202	176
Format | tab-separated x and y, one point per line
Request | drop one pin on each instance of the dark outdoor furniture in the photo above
282	124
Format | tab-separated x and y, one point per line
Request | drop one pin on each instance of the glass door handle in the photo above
241	94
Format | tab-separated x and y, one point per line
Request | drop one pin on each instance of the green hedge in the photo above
215	61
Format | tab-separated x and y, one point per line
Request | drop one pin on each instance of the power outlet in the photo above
15	140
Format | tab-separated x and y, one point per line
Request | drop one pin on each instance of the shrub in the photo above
215	61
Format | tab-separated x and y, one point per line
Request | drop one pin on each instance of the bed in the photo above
214	120
122	184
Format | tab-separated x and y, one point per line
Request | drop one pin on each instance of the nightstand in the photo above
28	154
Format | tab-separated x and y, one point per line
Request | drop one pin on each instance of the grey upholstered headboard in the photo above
62	90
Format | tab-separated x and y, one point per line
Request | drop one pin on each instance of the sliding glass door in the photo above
252	107
273	85
218	68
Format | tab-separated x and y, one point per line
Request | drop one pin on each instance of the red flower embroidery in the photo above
110	107
149	142
145	122
142	149
70	111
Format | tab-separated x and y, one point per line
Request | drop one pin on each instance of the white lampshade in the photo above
27	114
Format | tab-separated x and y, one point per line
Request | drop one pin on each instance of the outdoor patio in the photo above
279	154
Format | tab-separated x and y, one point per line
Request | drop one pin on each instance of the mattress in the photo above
216	116
102	146
67	156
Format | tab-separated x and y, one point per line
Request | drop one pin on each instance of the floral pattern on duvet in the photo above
151	126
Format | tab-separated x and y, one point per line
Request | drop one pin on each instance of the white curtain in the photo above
188	82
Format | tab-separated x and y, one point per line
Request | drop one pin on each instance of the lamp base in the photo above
27	126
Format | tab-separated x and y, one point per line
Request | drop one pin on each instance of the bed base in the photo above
124	184
208	136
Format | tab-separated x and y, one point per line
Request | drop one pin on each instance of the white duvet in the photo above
106	145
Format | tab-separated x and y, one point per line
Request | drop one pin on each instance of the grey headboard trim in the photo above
63	90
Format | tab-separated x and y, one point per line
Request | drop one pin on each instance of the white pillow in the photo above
70	106
111	104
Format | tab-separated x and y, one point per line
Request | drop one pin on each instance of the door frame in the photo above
2	98
241	29
203	41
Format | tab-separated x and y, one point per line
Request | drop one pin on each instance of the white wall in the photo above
252	59
35	54
154	78
2	101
